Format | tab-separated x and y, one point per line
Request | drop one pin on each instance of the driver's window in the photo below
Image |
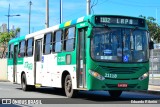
138	42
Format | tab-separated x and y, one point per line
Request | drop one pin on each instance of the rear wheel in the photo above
68	87
115	93
24	85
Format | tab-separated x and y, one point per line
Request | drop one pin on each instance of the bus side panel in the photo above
48	67
71	69
55	72
29	69
62	66
52	71
10	69
20	68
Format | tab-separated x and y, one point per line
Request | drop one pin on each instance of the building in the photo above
3	28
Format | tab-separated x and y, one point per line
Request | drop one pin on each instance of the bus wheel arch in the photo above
23	73
64	74
67	85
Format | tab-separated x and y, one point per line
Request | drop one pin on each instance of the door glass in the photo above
38	50
82	59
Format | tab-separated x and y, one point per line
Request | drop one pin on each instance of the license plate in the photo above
122	85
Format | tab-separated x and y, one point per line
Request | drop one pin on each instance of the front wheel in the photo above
68	87
115	93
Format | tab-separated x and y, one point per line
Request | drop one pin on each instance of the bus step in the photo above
38	85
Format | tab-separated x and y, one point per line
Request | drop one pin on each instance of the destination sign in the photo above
119	20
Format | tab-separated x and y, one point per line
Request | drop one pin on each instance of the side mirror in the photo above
89	31
151	45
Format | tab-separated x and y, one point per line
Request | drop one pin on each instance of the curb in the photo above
154	92
155	84
4	81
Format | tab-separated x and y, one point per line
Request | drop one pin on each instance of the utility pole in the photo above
30	3
156	15
47	14
88	7
9	15
61	11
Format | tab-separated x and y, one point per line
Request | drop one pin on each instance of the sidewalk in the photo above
154	89
155	81
154	85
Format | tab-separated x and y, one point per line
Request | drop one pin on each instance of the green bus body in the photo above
91	72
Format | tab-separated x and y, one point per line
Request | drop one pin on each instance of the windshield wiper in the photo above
106	27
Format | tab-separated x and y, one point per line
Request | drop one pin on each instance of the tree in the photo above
4	39
154	28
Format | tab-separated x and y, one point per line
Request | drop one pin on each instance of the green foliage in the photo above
154	28
4	39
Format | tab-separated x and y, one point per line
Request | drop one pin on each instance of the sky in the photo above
72	9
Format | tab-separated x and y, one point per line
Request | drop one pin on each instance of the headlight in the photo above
144	76
96	75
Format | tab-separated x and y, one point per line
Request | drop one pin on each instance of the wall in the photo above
3	69
154	67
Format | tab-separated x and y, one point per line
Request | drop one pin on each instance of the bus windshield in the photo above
119	45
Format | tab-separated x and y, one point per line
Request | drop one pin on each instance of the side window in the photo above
22	49
10	54
54	42
47	43
9	49
30	44
58	41
69	39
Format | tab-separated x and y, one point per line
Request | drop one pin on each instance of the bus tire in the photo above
24	85
69	91
115	93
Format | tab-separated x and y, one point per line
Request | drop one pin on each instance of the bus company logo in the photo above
61	59
27	65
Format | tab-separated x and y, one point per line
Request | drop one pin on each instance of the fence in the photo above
154	67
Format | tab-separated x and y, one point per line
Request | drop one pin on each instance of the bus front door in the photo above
37	61
15	63
81	58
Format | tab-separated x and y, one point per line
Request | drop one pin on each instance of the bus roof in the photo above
16	39
56	27
62	25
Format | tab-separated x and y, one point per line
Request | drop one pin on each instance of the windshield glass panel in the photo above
119	45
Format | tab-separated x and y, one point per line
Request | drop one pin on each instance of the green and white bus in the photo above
95	52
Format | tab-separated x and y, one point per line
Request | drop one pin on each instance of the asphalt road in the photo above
52	96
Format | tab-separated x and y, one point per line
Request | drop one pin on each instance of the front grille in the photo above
122	79
122	70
